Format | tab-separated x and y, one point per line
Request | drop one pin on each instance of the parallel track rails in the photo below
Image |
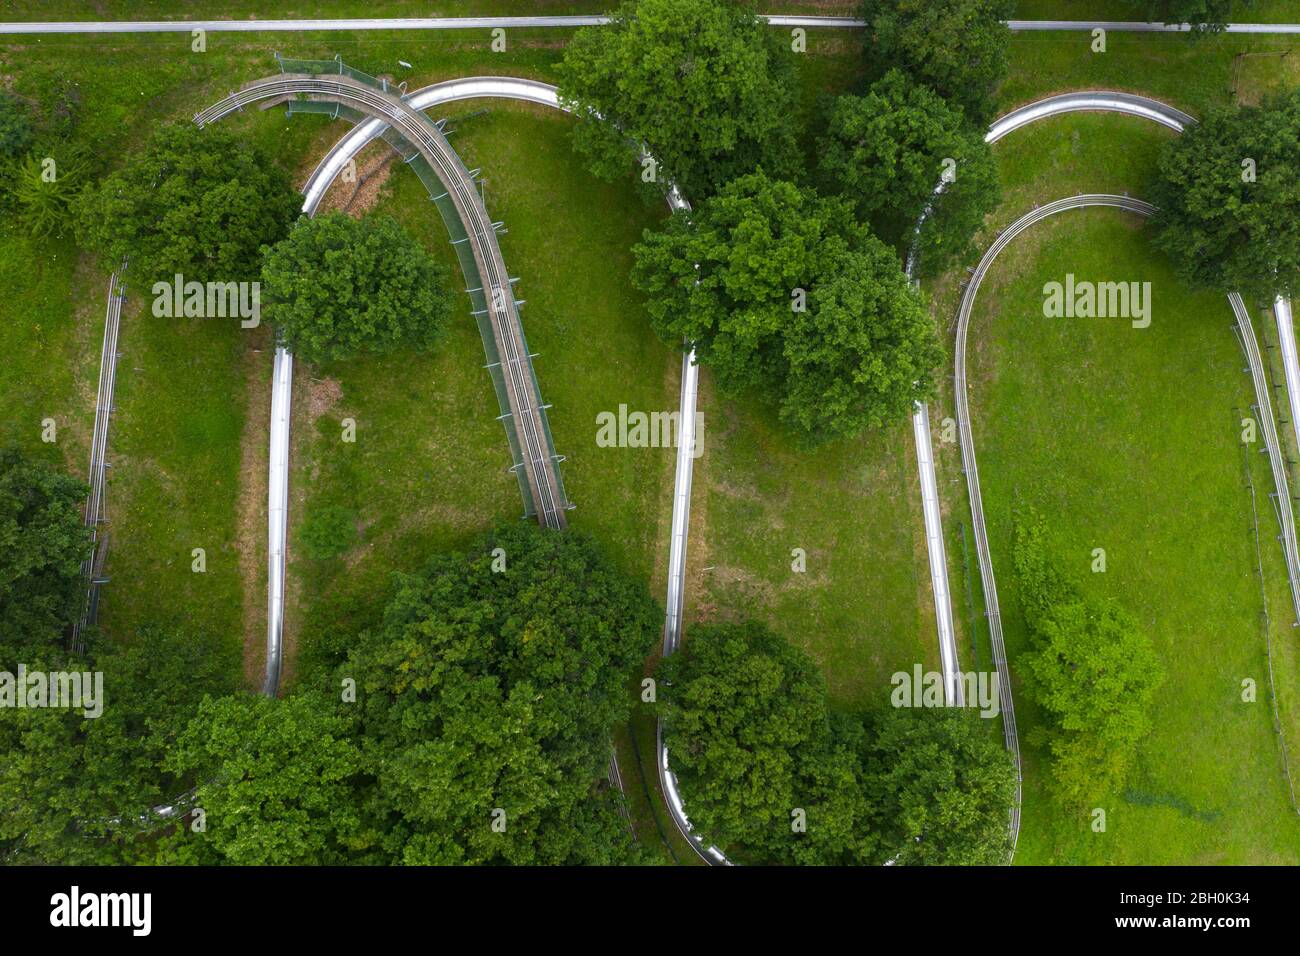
94	517
525	405
544	94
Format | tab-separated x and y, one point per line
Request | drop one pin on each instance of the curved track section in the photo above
971	468
526	408
1090	101
1130	104
1260	383
544	94
1096	101
526	411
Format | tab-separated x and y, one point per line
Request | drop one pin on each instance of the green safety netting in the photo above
335	66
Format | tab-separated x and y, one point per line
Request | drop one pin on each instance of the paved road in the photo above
570	22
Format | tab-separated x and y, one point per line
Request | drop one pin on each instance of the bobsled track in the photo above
1175	119
525	413
381	117
384	110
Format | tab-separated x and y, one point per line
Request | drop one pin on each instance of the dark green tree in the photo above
942	786
198	202
1092	671
339	286
752	742
1227	192
43	543
786	293
276	782
958	48
487	698
703	85
77	790
887	151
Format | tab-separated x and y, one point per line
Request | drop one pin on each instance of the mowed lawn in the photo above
1128	440
863	607
51	343
189	410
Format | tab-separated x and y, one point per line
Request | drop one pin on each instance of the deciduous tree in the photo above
784	293
43	542
487	698
339	286
887	151
942	786
1092	671
199	202
1227	191
956	47
703	85
765	770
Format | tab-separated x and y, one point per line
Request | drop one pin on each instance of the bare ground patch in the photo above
250	530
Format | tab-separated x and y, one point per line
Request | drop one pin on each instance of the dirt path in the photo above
254	447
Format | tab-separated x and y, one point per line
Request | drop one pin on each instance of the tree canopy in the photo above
886	151
750	738
338	286
1091	669
703	85
956	47
772	775
782	291
77	791
43	543
1227	193
275	782
198	202
472	725
943	785
487	697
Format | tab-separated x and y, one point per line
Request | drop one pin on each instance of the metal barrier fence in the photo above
92	569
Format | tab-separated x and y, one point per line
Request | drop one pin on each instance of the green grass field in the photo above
863	607
1128	440
52	349
427	469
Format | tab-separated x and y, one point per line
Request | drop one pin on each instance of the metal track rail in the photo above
1264	405
970	466
525	405
93	565
544	94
